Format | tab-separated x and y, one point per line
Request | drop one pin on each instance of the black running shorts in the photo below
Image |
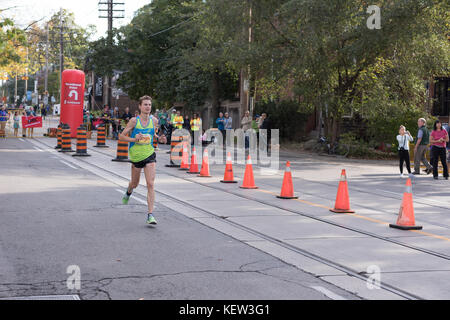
143	163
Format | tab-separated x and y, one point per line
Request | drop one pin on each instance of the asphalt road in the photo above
55	214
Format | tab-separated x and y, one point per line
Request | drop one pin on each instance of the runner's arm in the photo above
129	128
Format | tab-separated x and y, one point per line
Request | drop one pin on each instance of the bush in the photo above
286	117
352	147
385	129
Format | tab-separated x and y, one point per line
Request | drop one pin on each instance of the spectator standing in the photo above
178	121
423	140
196	126
228	124
115	122
439	139
246	124
126	116
16	123
187	123
43	112
266	125
31	130
221	126
4	117
404	138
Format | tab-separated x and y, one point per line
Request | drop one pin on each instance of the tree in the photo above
324	47
155	51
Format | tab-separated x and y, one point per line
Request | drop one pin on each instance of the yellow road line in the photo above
359	216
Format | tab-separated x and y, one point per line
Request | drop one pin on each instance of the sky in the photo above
86	12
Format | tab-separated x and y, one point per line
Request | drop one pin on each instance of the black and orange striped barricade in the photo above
101	137
176	151
122	151
81	142
66	144
59	137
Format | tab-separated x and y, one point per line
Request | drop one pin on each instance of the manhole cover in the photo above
61	297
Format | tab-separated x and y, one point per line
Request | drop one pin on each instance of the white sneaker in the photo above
401	175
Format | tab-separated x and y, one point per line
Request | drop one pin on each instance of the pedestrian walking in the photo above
404	138
246	124
438	140
141	153
423	140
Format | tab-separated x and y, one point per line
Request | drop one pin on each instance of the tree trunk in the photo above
215	95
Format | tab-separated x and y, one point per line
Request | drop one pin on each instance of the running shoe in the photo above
151	219
125	198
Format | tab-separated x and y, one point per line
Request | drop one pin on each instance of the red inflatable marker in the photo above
72	99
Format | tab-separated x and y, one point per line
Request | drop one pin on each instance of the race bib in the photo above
146	139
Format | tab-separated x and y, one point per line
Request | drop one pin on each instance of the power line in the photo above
109	7
172	27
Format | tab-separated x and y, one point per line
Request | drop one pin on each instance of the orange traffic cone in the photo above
342	199
205	166
194	164
185	158
249	181
228	176
287	189
406	219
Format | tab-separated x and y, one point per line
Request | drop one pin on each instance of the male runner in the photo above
141	152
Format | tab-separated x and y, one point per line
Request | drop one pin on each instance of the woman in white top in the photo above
404	138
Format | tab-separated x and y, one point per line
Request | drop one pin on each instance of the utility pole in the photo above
46	62
26	79
109	8
15	89
61	49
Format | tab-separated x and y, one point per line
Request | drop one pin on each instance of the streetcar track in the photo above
366	233
349	271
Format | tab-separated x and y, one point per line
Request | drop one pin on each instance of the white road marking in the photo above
38	149
68	164
328	293
21	140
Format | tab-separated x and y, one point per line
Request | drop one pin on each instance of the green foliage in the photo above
157	52
319	51
286	116
10	38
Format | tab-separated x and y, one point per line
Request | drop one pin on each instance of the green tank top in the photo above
143	149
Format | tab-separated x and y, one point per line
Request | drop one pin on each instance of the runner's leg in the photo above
135	177
150	172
